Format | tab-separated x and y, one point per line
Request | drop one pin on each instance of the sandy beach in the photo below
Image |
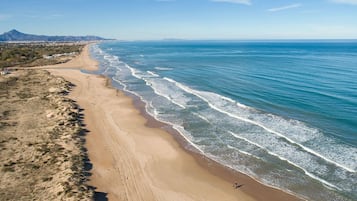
132	161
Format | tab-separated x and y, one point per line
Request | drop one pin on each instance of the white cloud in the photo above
354	2
246	2
297	5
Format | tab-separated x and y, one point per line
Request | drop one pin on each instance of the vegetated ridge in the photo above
15	35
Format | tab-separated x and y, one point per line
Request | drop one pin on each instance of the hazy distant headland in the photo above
17	36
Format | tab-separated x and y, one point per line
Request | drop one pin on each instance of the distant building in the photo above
59	55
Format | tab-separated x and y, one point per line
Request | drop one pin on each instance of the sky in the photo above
183	19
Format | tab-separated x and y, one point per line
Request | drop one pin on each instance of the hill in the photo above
15	35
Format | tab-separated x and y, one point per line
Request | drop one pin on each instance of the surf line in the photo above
196	93
280	135
290	162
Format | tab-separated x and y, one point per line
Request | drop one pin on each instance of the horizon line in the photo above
237	39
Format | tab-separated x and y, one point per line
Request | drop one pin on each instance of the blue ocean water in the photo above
283	112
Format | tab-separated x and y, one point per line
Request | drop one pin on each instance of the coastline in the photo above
253	187
134	158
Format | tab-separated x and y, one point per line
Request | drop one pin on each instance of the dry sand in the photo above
132	161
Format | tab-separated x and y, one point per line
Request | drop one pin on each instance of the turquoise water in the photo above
282	112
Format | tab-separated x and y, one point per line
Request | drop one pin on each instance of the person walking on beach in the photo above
236	185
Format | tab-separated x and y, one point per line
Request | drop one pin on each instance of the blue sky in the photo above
184	19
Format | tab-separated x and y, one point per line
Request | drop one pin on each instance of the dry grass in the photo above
32	54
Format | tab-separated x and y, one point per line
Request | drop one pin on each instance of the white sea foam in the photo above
159	88
244	152
113	61
158	92
215	102
153	74
241	105
202	95
96	50
145	76
134	72
285	159
202	117
167	92
187	136
155	113
125	88
194	92
163	68
344	153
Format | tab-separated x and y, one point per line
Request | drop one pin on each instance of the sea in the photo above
282	112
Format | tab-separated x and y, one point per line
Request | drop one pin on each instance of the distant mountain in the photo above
15	35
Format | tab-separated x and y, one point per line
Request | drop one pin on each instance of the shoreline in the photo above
225	172
186	186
